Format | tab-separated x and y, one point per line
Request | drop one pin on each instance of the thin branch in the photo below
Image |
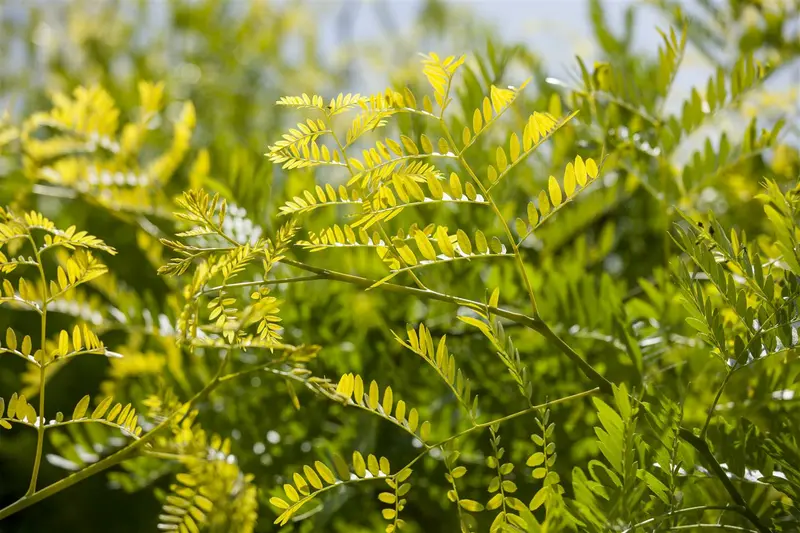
262	283
112	460
533	323
493	204
37	460
711	462
498	421
701	508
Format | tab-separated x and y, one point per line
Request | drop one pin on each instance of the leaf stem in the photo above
486	194
713	405
734	508
711	462
385	235
37	461
499	421
33	497
534	323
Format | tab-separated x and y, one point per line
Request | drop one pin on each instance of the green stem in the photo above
536	324
37	461
386	238
711	462
735	509
33	497
713	405
500	421
493	205
711	526
533	323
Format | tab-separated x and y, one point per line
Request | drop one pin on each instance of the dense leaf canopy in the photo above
239	295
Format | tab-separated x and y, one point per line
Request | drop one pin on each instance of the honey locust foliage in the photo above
539	313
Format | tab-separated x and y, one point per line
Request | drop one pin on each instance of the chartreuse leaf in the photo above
577	176
315	481
351	390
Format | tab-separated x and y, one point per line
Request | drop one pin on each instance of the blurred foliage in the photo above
468	301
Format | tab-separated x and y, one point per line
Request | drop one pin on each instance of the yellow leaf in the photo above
101	409
580	171
300	483
358	390
555	191
521	227
62	278
373	466
413	420
407	255
494	502
487	109
477	121
374	396
414	190
502	161
443	241
11	339
291	493
492	173
312	477
591	168
513	148
480	242
114	412
76	338
494	299
26	345
359	467
427	147
400	411
544	203
279	503
471	505
409	145
425	247
63	343
403	475
425	431
437	192
345	386
533	215
569	180
463	242
470	191
325	472
455	186
387	401
80	409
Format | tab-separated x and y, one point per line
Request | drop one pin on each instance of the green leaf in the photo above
359	466
278	502
539	498
325	472
555	192
11	339
80	409
458	472
655	485
471	505
101	409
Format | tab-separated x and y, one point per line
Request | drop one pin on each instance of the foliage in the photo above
547	306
